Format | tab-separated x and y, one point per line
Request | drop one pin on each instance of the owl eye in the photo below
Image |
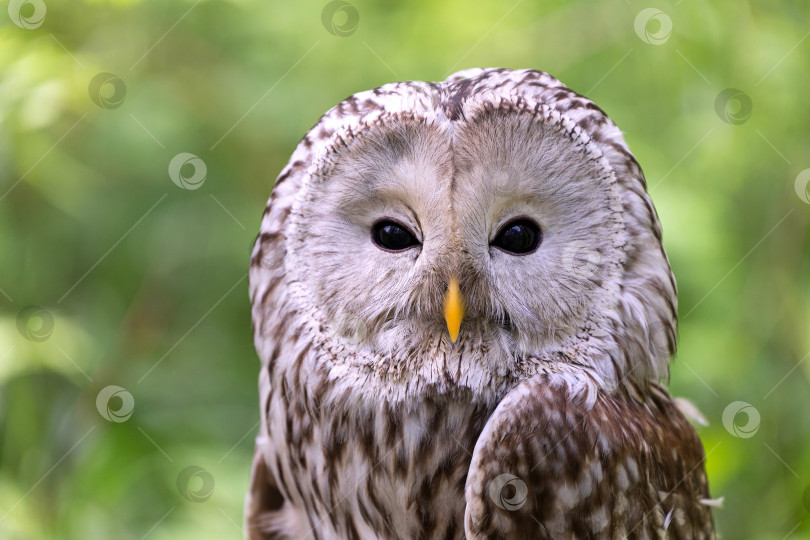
520	237
391	236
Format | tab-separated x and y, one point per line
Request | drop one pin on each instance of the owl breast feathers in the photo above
465	314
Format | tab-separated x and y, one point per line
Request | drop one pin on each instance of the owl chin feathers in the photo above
409	362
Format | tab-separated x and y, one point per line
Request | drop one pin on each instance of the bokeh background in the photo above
128	398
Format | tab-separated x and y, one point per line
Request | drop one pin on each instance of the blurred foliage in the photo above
144	282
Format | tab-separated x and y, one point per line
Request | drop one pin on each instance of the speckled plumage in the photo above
374	424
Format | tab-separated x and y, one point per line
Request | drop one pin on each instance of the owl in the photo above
465	316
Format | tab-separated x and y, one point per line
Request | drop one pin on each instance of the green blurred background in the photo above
140	284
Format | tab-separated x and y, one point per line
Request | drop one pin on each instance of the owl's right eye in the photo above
391	236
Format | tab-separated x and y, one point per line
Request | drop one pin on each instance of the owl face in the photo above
503	183
502	203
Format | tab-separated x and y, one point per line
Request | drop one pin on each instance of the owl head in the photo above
464	234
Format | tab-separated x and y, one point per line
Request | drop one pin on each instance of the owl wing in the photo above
564	459
263	498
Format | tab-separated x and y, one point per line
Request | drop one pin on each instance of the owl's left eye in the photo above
391	236
519	237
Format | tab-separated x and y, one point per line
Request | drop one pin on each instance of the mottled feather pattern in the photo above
616	469
400	434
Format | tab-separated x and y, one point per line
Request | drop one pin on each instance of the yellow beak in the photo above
453	309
